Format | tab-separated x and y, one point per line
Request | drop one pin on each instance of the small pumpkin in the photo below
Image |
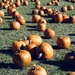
41	27
44	51
49	3
37	70
20	19
15	25
72	19
42	20
22	58
25	2
17	3
65	18
35	18
69	58
49	33
63	42
70	7
41	12
14	14
59	17
2	13
64	9
35	11
36	39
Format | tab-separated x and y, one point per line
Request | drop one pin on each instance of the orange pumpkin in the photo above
14	14
20	19
49	33
36	39
37	70
41	27
70	7
64	9
25	2
72	19
15	25
2	13
16	45
35	18
22	58
63	42
42	20
59	17
44	51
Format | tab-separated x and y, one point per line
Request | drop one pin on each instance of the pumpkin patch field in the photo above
37	37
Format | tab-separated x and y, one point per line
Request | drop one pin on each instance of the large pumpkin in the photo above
22	58
36	39
37	70
44	51
63	42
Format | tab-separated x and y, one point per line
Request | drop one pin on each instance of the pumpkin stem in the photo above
40	55
34	66
30	41
25	38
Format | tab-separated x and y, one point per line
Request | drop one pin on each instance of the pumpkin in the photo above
36	39
25	2
43	8
41	27
31	48
37	70
42	20
35	11
49	3
14	14
70	7
69	58
37	6
49	33
37	2
2	13
71	73
41	12
10	10
65	18
22	58
64	9
63	42
17	3
15	25
72	19
35	18
1	20
20	19
44	51
16	45
57	3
